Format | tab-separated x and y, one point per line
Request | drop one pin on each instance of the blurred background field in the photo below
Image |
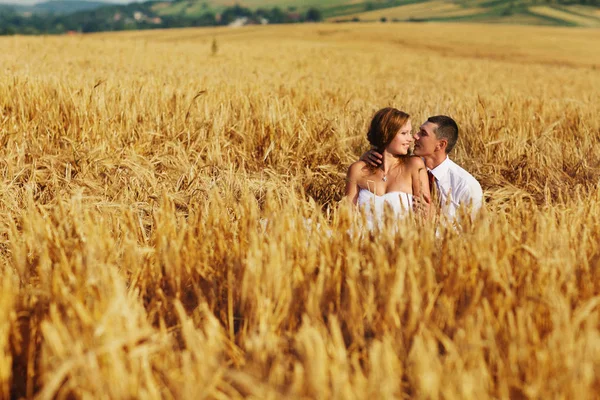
137	168
87	16
530	12
522	12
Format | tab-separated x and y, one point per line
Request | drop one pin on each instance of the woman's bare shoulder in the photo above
358	166
415	162
357	169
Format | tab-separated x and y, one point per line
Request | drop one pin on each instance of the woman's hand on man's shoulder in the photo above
372	157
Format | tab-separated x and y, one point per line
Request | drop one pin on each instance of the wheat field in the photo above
165	198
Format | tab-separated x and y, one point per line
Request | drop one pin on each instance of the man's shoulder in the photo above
462	176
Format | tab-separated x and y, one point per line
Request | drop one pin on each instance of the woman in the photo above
397	179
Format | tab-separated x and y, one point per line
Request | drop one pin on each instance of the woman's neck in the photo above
389	161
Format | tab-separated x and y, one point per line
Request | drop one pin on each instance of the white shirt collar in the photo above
441	171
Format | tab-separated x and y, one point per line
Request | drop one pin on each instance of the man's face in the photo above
425	140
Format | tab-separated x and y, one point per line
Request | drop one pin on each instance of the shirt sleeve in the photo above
472	196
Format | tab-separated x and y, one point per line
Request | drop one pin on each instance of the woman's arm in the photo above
352	178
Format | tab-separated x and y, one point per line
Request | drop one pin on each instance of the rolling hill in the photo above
526	12
68	6
90	16
329	8
513	12
55	7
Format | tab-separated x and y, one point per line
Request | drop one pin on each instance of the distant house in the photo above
244	21
117	17
239	22
156	20
138	16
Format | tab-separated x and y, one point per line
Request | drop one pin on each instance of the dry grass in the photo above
163	211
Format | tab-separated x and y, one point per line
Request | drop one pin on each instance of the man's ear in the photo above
442	144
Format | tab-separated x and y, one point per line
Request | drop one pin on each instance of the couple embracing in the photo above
427	183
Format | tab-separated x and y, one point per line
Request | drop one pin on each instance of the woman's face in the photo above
401	143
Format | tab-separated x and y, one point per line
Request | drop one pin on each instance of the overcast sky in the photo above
29	2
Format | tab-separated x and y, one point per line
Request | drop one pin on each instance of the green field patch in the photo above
173	9
518	15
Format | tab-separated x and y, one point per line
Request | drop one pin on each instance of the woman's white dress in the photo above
399	203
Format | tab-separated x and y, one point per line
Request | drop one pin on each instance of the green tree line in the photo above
141	16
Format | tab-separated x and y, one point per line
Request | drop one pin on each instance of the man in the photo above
453	187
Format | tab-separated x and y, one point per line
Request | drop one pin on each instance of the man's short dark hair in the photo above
446	129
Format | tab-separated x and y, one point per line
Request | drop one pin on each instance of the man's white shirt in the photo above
456	188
